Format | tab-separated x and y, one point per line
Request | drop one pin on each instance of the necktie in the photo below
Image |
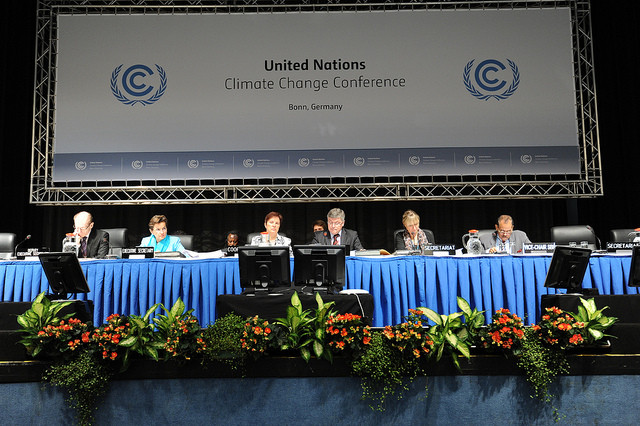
83	246
335	239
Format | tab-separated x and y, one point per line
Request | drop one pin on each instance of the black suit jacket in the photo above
98	244
349	238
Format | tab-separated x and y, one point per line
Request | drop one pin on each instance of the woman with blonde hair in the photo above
412	238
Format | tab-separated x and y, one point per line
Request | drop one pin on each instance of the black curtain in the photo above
616	65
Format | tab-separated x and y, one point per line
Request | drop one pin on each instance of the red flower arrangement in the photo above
62	337
410	338
256	336
559	329
109	335
505	332
346	332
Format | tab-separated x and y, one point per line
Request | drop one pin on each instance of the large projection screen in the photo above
331	100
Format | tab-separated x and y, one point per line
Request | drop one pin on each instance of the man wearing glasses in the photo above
336	234
92	244
505	239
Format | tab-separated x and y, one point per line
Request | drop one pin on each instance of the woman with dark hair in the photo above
159	240
319	225
272	225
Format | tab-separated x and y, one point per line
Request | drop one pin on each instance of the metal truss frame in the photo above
46	192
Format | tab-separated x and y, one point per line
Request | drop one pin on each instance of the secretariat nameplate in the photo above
621	246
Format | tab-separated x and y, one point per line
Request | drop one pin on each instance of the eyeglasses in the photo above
507	232
334	222
81	228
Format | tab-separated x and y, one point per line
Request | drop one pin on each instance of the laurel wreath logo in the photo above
504	95
122	98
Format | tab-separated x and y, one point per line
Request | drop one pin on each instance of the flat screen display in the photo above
64	273
567	268
264	267
319	266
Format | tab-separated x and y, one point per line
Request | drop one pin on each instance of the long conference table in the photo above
128	286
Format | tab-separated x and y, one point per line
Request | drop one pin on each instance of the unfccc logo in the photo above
137	84
489	79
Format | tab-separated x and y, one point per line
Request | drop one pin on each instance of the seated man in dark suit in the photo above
337	235
505	239
92	244
231	241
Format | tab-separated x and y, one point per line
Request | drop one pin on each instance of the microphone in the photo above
15	249
599	246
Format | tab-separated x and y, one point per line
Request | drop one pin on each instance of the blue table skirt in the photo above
396	283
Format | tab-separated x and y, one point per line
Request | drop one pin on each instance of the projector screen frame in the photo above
44	191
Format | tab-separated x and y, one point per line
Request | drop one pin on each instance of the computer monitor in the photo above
64	274
567	268
321	267
634	272
264	268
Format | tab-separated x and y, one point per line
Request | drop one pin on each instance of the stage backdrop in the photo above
315	94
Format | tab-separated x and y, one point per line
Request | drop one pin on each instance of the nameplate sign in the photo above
624	246
232	250
539	248
30	254
430	250
440	249
137	253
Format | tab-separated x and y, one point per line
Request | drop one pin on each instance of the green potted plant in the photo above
449	335
594	322
392	359
223	340
43	313
178	332
303	331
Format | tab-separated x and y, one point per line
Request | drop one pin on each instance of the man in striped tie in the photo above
337	234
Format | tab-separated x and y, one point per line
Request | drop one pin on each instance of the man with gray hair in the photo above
336	234
505	239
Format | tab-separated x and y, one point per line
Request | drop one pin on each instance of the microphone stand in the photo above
15	249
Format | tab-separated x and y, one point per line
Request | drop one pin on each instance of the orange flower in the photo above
564	326
576	339
366	340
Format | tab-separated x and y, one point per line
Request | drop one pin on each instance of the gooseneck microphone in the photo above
15	249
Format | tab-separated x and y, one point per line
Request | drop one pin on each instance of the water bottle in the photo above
71	243
471	242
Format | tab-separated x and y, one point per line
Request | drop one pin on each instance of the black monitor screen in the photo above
264	267
64	273
634	273
319	266
567	268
